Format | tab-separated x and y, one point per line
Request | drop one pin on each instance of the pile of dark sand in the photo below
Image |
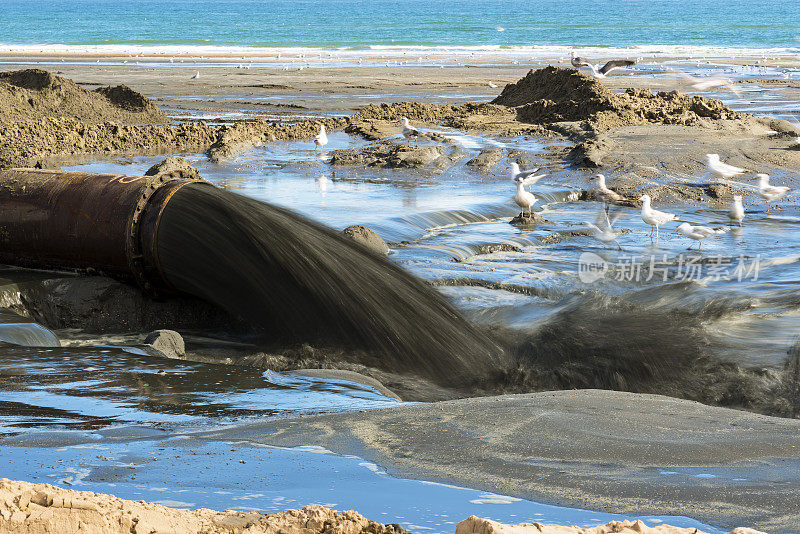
35	94
552	94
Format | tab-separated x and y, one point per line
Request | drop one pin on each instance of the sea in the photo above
243	25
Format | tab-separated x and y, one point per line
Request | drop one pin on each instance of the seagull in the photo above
602	229
796	139
493	85
526	176
523	179
704	84
524	199
597	70
322	138
409	131
723	170
770	193
698	233
322	184
653	217
736	212
604	193
197	75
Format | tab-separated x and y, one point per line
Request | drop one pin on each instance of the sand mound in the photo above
558	87
42	508
176	167
477	525
553	94
34	94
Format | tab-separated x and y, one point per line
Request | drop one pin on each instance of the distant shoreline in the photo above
543	52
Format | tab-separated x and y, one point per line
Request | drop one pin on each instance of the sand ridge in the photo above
41	508
27	508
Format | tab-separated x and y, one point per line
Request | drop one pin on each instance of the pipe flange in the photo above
133	243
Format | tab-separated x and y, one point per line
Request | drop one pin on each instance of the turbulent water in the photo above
416	23
719	340
302	282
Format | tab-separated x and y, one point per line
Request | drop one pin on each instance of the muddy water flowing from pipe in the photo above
302	282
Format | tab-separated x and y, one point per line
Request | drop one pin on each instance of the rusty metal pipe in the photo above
104	223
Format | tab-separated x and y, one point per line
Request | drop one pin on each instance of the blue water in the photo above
425	23
184	472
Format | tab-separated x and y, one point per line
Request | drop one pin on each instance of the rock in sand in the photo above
366	237
167	343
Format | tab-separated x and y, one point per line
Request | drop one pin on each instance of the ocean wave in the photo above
196	48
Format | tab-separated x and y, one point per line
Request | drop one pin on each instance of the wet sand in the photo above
594	449
230	94
321	89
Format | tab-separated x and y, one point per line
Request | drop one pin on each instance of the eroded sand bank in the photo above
42	509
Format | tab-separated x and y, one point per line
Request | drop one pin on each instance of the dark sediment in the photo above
301	282
604	342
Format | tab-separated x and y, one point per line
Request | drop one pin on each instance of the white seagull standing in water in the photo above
653	217
736	212
322	137
770	193
597	70
698	233
523	198
722	170
408	130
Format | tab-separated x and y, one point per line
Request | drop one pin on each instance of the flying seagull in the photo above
770	193
197	75
526	176
720	169
597	70
704	84
603	230
797	127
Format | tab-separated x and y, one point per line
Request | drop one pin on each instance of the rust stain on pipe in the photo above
106	223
